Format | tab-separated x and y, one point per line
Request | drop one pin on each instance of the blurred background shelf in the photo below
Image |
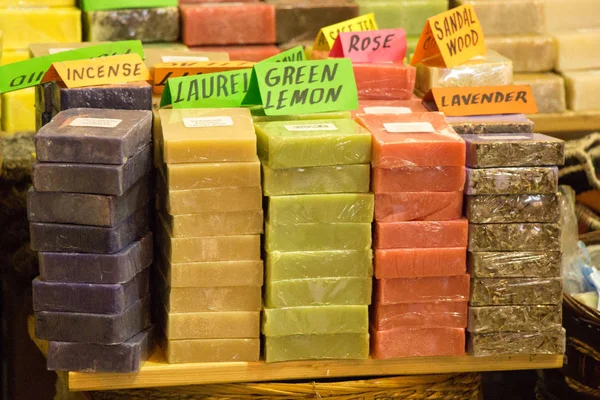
568	125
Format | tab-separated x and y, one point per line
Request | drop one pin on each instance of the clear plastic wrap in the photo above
338	346
293	144
414	206
573	258
576	50
513	208
510	150
422	290
210	325
515	291
215	224
211	350
238	23
443	314
314	180
529	53
18	111
515	237
416	262
489	70
582	88
384	81
515	17
421	234
282	266
523	180
318	320
517	264
548	90
418	179
318	292
484	124
159	24
418	342
318	237
209	175
514	318
408	14
509	343
320	208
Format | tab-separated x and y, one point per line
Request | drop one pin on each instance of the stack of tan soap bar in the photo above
317	239
210	270
514	244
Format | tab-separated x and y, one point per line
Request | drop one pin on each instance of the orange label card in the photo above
484	100
99	71
455	35
165	71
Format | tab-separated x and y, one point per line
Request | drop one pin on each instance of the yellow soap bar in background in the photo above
577	50
18	111
215	224
13	56
211	350
582	90
548	91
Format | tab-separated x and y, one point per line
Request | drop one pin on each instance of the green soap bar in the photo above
317	180
339	346
410	15
318	237
318	264
321	208
315	320
290	144
411	44
95	5
258	115
318	292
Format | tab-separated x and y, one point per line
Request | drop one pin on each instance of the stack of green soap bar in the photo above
337	346
318	237
316	320
283	266
321	208
318	292
410	15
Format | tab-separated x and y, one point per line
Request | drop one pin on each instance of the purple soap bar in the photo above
97	268
94	136
92	178
87	209
89	239
125	96
93	298
86	357
93	328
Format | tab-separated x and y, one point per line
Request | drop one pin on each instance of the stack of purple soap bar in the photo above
89	212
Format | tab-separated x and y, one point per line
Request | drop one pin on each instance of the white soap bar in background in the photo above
509	17
577	50
569	15
529	53
583	89
548	90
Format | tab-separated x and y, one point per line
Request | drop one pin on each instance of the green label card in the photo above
214	90
28	73
303	87
293	54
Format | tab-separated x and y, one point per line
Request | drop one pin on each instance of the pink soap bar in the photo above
384	81
413	140
407	263
443	314
418	179
417	342
421	234
228	23
412	105
422	290
254	53
418	206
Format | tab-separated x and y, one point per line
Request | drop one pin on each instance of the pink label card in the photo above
384	45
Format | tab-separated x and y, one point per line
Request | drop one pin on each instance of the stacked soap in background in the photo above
514	244
317	238
420	306
89	212
210	271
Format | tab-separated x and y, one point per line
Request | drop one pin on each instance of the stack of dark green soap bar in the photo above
90	212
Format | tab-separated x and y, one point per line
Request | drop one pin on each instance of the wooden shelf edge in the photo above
567	125
157	373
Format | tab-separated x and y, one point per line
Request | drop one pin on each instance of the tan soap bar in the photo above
215	224
209	175
570	15
201	135
211	350
582	90
210	325
190	300
514	17
577	50
548	91
529	53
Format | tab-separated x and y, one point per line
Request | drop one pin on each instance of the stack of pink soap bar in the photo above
422	289
385	81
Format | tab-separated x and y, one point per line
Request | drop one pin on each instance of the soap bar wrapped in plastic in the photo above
318	292
524	180
514	318
529	53
501	343
281	266
512	208
318	237
548	91
514	237
489	70
519	264
315	320
515	17
418	342
210	350
321	208
422	290
160	24
483	124
384	81
510	150
337	346
447	314
515	291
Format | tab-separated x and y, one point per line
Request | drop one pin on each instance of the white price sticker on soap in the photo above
409	127
167	59
207	122
311	127
387	110
55	51
96	122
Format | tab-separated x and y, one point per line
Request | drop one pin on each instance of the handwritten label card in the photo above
385	45
303	87
326	36
485	100
293	54
455	35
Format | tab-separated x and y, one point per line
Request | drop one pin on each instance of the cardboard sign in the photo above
385	45
455	36
98	71
29	73
326	36
303	87
293	54
485	100
165	71
215	90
